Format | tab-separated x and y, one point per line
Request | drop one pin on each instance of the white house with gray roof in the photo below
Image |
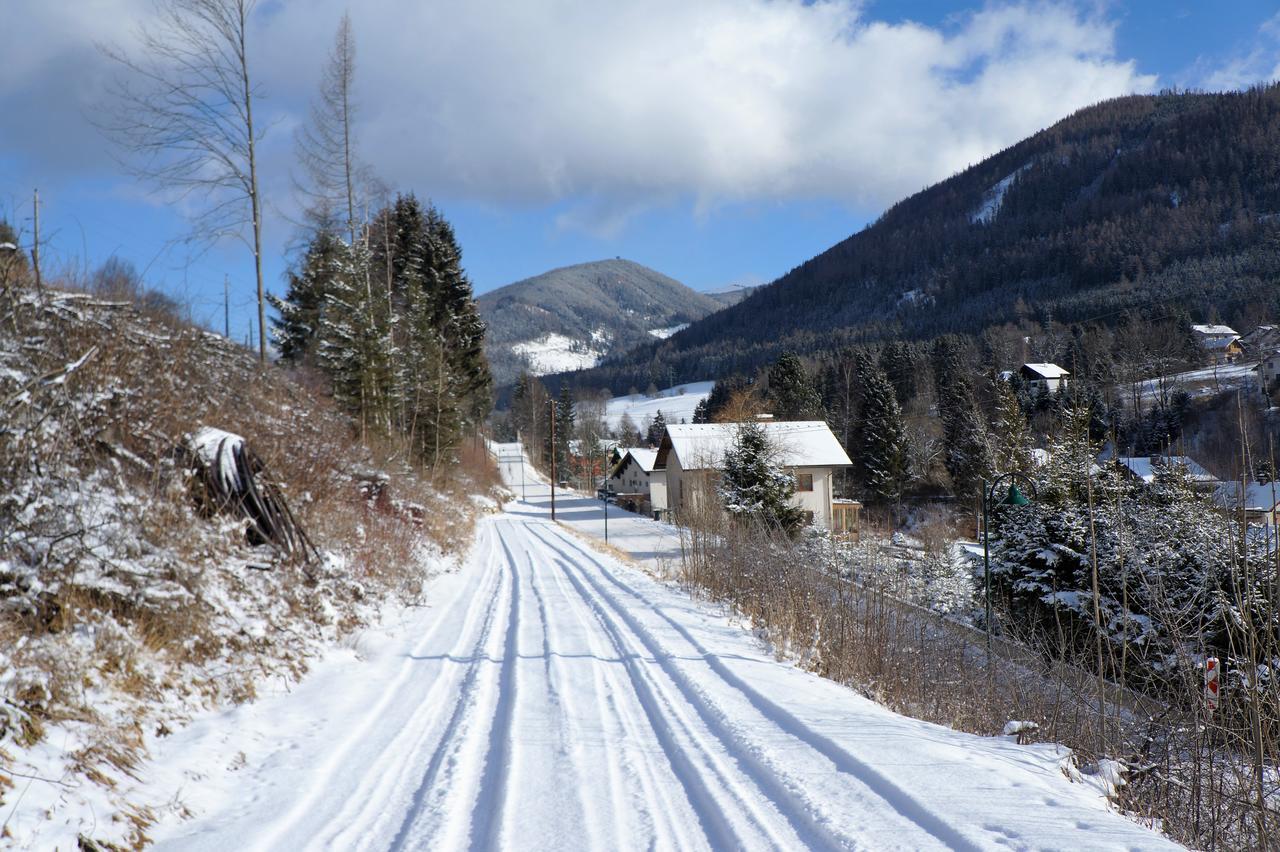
691	456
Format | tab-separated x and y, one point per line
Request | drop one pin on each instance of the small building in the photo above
690	456
629	478
1047	376
1220	342
1144	469
1258	500
1268	369
1263	339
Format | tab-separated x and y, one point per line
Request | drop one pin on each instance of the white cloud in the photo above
1260	64
623	106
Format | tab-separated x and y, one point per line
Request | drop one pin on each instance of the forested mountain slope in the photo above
575	315
1146	203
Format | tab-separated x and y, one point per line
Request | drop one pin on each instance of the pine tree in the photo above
792	392
754	488
1010	433
295	332
884	441
656	429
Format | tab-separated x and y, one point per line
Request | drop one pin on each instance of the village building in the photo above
629	478
1260	341
1258	500
1268	370
1047	376
1220	342
1144	469
690	457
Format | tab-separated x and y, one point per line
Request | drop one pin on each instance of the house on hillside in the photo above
1263	339
1268	369
1220	342
1047	376
1144	469
629	478
1259	500
691	455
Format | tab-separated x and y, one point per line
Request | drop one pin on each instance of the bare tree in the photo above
326	145
183	113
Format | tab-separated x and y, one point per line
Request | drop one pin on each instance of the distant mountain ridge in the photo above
1159	203
575	316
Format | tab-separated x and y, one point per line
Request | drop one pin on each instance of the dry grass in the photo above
1195	778
100	513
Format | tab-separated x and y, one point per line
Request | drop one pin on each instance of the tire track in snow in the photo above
489	811
662	712
341	754
610	688
901	801
449	743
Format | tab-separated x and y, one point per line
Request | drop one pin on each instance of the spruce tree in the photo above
754	488
294	332
1010	433
792	392
656	429
883	453
701	412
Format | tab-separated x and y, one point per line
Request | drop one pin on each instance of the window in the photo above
804	482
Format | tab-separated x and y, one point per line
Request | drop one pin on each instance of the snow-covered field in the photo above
676	404
556	353
664	333
554	697
1204	381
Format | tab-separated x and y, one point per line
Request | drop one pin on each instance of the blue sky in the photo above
721	143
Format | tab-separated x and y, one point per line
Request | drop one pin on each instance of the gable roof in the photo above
803	443
642	456
1045	371
1258	496
1144	467
1215	330
1218	342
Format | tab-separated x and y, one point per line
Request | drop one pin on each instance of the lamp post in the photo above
1013	497
608	492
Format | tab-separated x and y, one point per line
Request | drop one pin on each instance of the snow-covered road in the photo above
554	697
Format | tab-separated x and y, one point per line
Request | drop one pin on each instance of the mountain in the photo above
1161	205
571	318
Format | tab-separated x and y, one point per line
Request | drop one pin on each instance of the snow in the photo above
642	456
555	697
1144	467
805	443
1202	381
1047	371
676	403
216	448
994	197
556	353
664	333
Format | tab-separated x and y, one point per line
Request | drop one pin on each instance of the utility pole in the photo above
35	245
552	407
226	308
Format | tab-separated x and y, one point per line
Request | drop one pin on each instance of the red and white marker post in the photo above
1210	684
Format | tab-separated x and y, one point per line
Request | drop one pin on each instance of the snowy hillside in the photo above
134	596
676	404
556	353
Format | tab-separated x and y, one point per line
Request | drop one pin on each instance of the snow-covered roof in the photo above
1144	467
1046	371
805	443
1218	342
642	456
1258	496
1215	330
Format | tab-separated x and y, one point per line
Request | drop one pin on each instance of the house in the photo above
1268	369
1145	468
1259	502
629	477
1263	339
691	455
1221	342
1047	376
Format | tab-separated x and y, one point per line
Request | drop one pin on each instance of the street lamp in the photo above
1013	497
605	494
